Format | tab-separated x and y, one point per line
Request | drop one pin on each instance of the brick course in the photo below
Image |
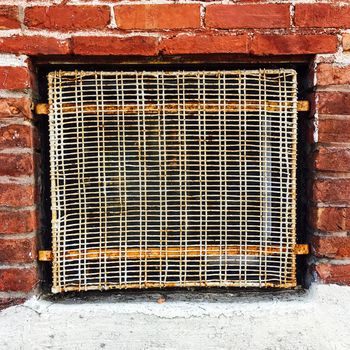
248	16
67	18
165	16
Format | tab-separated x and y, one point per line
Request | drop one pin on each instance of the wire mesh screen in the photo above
173	179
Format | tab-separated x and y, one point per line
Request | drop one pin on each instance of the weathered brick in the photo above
336	159
328	74
67	18
248	16
21	221
9	17
334	103
329	273
330	219
34	45
322	16
134	45
22	250
16	164
18	280
293	44
152	16
205	43
335	191
16	135
13	195
14	78
15	107
346	42
334	130
331	247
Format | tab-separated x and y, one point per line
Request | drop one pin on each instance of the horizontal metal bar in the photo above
171	108
173	252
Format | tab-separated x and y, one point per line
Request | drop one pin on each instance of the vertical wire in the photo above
261	185
293	173
246	193
139	176
180	175
160	155
99	176
125	179
104	227
144	177
185	168
225	177
56	269
200	139
62	200
266	194
282	99
117	84
165	181
206	215
241	160
83	182
221	152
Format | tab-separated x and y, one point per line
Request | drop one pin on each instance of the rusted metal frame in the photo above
174	252
302	106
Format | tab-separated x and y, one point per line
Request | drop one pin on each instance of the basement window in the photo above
173	178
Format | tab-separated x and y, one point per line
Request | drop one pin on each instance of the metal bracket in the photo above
41	109
303	106
45	255
301	249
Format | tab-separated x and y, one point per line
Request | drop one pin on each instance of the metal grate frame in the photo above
173	179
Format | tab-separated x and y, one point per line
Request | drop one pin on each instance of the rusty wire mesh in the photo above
173	179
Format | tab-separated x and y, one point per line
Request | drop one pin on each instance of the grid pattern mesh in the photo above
173	179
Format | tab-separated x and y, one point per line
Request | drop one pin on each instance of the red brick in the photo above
335	159
322	16
15	107
16	136
17	250
7	302
334	130
34	45
12	222
16	164
14	78
331	247
205	43
294	44
328	74
330	219
13	195
165	16
334	103
18	280
332	191
134	45
67	18
329	273
9	17
248	16
346	42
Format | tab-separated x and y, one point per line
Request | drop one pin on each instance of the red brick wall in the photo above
250	28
